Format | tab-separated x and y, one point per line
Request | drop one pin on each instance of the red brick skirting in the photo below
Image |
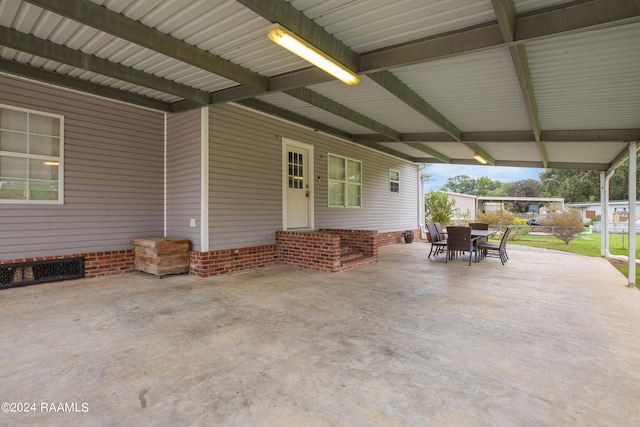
392	237
319	250
95	263
205	264
108	263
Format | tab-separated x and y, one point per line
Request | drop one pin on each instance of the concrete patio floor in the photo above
546	340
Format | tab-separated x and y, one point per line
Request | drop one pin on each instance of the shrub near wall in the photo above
503	219
496	218
565	225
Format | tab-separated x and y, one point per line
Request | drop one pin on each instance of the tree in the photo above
477	187
584	186
522	188
438	207
460	184
487	186
572	185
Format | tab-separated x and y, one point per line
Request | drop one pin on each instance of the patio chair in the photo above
497	250
459	240
436	242
441	232
478	226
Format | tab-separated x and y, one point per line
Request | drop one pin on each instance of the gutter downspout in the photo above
420	202
633	196
603	216
164	177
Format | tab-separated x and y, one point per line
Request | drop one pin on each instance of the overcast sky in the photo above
441	172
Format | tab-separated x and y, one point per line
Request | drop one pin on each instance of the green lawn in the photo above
588	244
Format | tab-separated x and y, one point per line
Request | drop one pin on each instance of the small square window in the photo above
394	181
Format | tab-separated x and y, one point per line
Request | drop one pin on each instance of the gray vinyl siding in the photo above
246	181
245	185
183	176
113	176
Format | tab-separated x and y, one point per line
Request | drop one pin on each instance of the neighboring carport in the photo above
408	341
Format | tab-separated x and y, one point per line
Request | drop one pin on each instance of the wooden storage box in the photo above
161	255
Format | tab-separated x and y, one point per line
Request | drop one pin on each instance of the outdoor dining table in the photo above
477	235
483	233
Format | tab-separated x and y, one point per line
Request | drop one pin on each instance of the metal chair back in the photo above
478	226
459	240
433	233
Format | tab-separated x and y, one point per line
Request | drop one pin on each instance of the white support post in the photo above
603	216
164	177
204	179
632	213
420	201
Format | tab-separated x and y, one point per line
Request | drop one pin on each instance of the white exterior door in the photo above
297	164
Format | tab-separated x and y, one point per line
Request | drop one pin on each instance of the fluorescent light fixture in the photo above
306	51
479	158
52	163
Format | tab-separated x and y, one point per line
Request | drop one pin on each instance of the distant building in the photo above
467	206
619	210
536	205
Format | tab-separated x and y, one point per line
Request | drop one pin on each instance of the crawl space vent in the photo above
33	272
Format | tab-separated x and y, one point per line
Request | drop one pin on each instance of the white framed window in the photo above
394	181
31	156
345	182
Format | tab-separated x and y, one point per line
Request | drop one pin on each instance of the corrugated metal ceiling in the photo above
588	80
373	101
439	79
367	25
477	92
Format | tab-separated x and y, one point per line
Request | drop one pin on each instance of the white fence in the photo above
615	228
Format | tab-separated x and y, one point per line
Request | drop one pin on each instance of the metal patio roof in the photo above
529	83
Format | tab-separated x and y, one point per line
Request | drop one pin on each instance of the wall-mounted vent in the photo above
32	272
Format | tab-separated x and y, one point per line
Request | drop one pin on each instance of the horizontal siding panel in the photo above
78	233
7	211
127	124
113	176
105	144
129	167
82	243
110	240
